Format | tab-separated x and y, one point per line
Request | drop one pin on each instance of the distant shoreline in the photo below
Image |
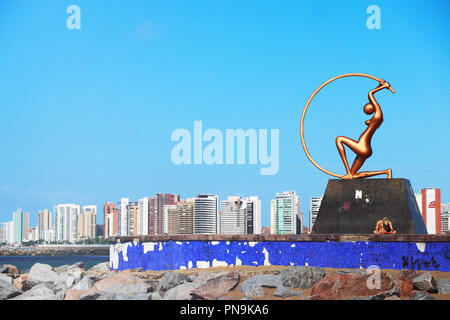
54	251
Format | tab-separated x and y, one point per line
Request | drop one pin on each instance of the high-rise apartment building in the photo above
108	209
143	216
431	209
20	221
8	232
165	217
206	210
44	223
181	218
132	213
445	223
87	223
66	222
314	206
287	213
273	216
123	216
240	215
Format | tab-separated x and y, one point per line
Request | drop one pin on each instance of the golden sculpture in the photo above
362	147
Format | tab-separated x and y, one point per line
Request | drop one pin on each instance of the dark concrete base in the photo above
355	206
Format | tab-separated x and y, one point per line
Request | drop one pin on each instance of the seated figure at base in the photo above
384	226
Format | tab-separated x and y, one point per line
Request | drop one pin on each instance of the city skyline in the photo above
88	113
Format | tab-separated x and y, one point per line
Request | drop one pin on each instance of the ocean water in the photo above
26	262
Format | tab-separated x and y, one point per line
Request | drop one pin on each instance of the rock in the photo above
70	281
180	292
61	269
342	286
84	284
425	282
254	286
7	290
21	283
43	273
406	287
422	296
42	291
3	269
284	292
217	286
155	296
444	286
6	278
11	270
76	266
100	268
121	283
170	280
393	298
410	274
303	277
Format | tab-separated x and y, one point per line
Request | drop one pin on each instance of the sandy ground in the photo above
249	271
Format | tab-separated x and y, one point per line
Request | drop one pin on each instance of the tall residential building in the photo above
8	232
165	217
253	215
132	213
20	221
87	223
314	206
232	215
181	218
431	209
66	222
163	199
143	216
240	215
287	213
206	210
44	224
108	209
123	216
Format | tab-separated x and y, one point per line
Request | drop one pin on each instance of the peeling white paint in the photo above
217	263
293	245
358	194
149	246
243	251
252	244
238	262
182	268
291	263
202	264
266	257
306	264
124	251
179	243
228	251
421	246
190	265
214	243
228	242
160	246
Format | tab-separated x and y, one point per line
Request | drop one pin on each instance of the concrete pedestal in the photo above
355	206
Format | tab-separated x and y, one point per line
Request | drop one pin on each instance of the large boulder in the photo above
303	277
122	283
84	284
217	286
170	280
422	296
254	286
42	291
43	273
425	282
21	283
180	292
7	289
343	286
283	292
10	270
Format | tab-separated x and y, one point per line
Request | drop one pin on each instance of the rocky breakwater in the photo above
230	283
54	251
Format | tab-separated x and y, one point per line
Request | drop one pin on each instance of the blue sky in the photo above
88	114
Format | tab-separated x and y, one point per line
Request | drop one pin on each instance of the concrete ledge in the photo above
287	237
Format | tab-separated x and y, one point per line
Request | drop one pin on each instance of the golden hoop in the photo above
306	108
